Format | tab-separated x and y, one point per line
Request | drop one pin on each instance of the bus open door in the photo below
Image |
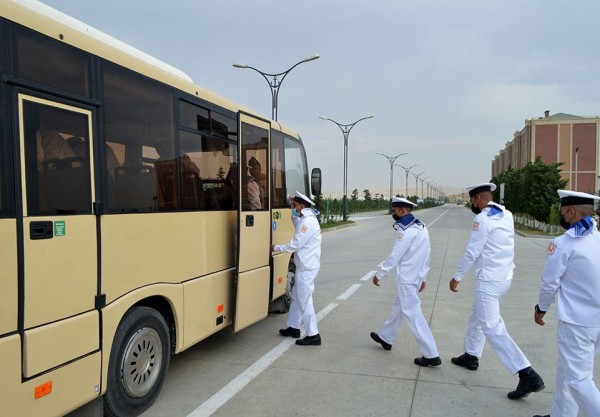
253	275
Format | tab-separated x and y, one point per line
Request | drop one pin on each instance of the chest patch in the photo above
551	248
475	226
400	236
304	229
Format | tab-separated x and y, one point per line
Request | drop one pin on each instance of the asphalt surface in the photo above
256	372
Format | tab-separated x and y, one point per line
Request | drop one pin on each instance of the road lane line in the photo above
368	276
437	218
238	383
346	294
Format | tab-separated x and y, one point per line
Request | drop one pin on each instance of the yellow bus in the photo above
136	214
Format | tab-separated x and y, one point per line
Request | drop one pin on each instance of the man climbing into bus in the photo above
306	246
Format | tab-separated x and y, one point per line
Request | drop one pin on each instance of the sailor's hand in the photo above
454	285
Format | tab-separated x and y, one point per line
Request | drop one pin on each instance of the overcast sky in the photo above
449	82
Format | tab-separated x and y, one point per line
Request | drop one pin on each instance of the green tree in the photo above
354	195
532	189
367	195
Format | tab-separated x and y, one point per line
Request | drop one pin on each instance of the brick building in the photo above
572	140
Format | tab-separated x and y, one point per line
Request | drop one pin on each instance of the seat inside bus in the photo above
135	188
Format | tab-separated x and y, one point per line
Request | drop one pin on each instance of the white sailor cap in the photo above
479	188
301	198
402	202
575	198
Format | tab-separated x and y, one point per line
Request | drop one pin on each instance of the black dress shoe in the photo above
310	340
290	331
529	381
378	339
423	361
467	361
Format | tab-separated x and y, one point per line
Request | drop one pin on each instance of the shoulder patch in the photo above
551	248
475	226
304	229
400	236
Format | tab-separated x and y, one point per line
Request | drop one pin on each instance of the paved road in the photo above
258	373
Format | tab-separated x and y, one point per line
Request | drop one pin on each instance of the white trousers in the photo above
485	322
575	387
408	307
301	307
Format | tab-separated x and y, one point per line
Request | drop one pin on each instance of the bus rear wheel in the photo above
138	363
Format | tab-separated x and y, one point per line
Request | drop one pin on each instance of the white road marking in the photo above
238	383
368	276
437	218
346	294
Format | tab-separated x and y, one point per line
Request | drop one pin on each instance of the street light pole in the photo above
346	128
274	84
430	189
407	170
417	183
422	181
392	159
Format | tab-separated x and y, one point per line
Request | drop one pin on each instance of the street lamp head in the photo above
392	157
324	118
240	65
311	58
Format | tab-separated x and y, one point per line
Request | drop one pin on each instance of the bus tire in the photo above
282	304
138	363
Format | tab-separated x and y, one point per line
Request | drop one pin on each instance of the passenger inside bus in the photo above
256	185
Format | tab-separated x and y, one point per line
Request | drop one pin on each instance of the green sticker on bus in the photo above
59	228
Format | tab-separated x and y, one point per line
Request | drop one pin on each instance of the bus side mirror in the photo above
315	181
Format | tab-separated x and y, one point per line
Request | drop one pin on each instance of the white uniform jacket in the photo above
572	271
491	245
306	243
410	255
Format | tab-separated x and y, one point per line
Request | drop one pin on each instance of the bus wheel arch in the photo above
138	363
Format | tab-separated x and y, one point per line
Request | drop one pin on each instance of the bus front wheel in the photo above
138	363
282	304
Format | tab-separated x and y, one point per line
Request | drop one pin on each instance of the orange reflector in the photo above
41	390
280	280
220	308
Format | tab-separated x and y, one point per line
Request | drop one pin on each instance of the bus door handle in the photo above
249	220
40	230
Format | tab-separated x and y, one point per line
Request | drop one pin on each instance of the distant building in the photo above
572	140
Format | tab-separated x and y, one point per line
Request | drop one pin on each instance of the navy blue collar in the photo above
494	210
582	227
406	221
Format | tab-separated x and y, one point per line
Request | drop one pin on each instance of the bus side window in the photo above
57	180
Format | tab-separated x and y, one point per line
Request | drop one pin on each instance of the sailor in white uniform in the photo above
306	245
410	256
571	276
490	251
